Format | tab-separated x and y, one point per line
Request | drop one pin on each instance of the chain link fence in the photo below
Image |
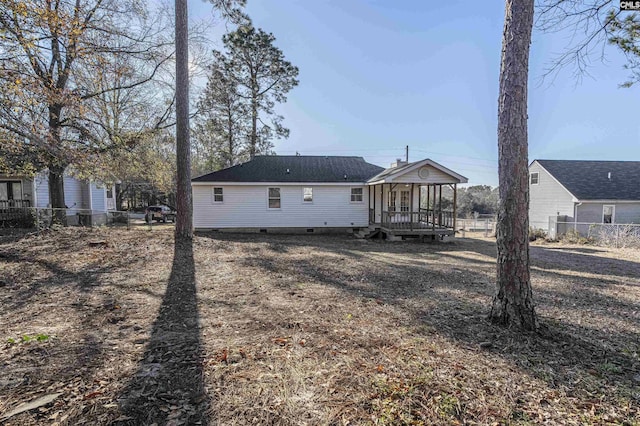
619	235
487	226
43	218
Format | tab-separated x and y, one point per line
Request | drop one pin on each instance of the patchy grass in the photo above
266	329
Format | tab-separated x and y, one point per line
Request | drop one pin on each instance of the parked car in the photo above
159	213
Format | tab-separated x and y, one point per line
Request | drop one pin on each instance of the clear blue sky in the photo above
377	75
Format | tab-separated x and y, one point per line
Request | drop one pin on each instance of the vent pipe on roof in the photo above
287	171
609	175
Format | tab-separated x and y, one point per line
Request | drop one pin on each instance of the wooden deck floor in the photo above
415	229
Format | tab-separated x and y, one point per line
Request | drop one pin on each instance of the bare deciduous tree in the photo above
590	26
54	54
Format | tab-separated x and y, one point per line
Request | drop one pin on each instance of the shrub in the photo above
536	233
574	237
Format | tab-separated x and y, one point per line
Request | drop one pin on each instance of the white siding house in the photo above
81	197
321	193
247	206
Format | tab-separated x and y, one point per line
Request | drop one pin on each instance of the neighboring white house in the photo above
320	193
574	194
81	197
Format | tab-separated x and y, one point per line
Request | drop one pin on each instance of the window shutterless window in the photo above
307	195
404	201
218	195
274	198
11	190
534	178
356	195
608	214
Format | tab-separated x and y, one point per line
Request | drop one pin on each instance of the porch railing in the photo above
422	219
14	209
439	218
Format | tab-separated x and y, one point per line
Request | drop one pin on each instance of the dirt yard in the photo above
119	327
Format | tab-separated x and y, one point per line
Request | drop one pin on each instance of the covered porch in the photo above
407	200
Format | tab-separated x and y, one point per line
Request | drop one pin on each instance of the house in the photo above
88	199
574	194
325	193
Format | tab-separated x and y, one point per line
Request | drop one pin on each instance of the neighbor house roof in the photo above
597	180
296	168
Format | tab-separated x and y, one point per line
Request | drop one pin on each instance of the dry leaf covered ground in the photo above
308	330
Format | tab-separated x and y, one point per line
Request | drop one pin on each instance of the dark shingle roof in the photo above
588	180
302	168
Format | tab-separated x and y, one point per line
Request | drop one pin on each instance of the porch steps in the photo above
366	233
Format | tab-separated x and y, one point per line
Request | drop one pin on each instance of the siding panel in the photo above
625	213
73	194
42	189
547	198
98	198
246	207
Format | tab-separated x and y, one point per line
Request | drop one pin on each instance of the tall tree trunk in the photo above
254	126
56	194
56	170
119	194
513	301
184	207
231	158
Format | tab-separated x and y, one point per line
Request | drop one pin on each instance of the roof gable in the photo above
396	173
296	168
590	180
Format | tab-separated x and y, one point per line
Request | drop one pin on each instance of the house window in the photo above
534	178
274	198
11	190
392	201
356	195
218	195
307	195
110	193
608	214
404	201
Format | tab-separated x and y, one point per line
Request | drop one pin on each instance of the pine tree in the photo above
264	78
513	301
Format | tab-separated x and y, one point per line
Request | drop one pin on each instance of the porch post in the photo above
433	224
369	204
411	213
428	200
374	203
440	207
455	206
381	204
